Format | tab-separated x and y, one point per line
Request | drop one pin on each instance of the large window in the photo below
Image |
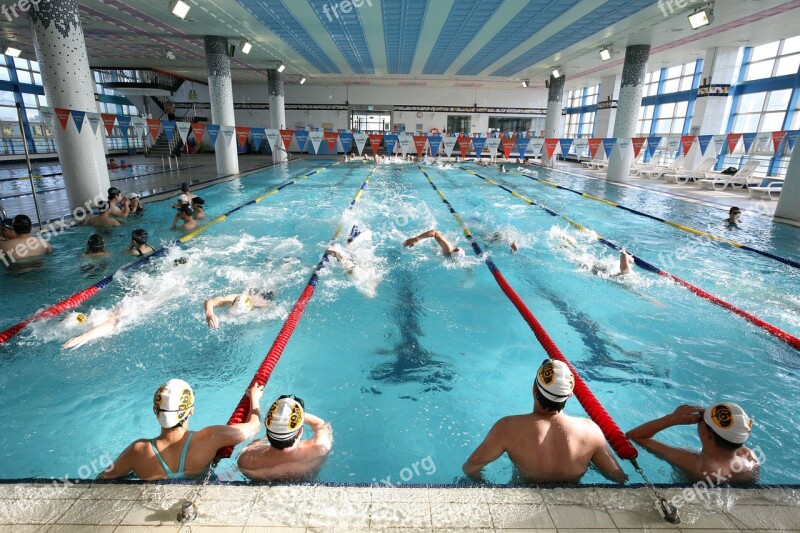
671	118
509	124
779	58
645	120
581	112
679	78
759	112
371	121
459	124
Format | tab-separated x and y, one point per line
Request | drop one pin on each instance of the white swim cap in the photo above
173	402
285	418
458	253
243	303
729	421
555	380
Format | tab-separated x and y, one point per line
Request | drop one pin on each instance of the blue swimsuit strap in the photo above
170	473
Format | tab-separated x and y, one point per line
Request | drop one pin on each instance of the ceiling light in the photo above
702	17
245	46
179	8
302	81
525	83
605	54
13	52
557	72
281	68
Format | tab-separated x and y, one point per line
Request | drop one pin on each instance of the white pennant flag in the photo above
761	138
535	146
673	145
139	126
361	141
316	137
493	143
406	143
449	144
48	114
624	144
183	129
718	143
227	133
94	121
580	146
273	138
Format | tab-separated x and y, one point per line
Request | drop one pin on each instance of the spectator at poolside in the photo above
282	455
178	453
119	206
23	249
453	252
103	219
723	429
547	446
185	213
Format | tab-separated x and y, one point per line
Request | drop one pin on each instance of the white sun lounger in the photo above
767	189
699	173
595	163
651	165
657	172
738	181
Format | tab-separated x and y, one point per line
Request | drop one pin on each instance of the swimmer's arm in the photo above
124	464
47	248
101	330
605	461
211	303
323	433
175	220
489	450
232	435
688	462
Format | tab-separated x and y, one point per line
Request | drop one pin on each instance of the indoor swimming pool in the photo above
410	356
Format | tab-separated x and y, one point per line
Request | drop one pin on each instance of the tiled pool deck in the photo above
236	508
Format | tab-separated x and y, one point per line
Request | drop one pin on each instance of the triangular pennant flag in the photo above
228	132
48	115
124	122
449	142
183	129
638	144
748	139
301	136
580	145
420	141
733	141
169	127
63	116
331	138
242	134
566	146
77	117
763	141
316	138
609	144
624	144
673	145
286	139
550	147
791	138
213	132
389	140
375	140
273	138
506	145
777	139
94	121
522	145
139	125
704	141
154	125
652	145
477	144
463	144
198	129
535	146
346	138
258	135
360	140
493	143
686	142
435	143
594	146
108	122
719	143
406	142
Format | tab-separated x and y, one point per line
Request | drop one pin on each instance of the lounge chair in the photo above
654	173
738	181
768	188
651	165
699	173
594	163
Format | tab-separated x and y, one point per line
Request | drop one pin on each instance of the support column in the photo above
554	123
789	200
277	111
630	102
221	95
607	107
69	84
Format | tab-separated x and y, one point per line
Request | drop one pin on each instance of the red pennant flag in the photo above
687	141
733	140
550	145
155	126
638	143
108	121
198	129
331	137
777	138
286	137
419	143
463	144
594	146
242	133
507	144
63	116
375	140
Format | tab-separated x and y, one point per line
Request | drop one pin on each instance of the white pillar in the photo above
789	200
607	107
277	110
221	95
630	102
69	84
554	123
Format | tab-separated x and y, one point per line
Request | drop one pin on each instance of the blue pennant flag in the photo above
212	130
78	117
301	136
346	138
791	137
522	145
566	145
169	128
435	143
390	141
124	122
749	139
704	141
652	145
609	145
478	143
258	135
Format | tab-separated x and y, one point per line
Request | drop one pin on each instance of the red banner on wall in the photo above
594	146
733	141
286	137
375	140
63	116
777	138
550	145
463	144
108	122
330	138
687	141
242	133
154	125
638	143
419	143
507	144
198	129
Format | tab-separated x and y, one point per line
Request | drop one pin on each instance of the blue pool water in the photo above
411	358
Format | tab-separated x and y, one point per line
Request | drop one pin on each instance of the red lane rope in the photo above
613	434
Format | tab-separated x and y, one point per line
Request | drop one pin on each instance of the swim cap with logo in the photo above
555	380
173	402
285	418
242	304
729	421
458	253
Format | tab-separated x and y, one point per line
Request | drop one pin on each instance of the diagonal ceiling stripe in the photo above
347	32
402	25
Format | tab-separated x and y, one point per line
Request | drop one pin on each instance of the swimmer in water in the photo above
498	236
103	219
138	245
185	214
625	266
734	217
239	304
198	208
453	252
96	247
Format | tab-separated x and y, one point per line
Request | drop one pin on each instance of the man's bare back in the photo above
261	462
